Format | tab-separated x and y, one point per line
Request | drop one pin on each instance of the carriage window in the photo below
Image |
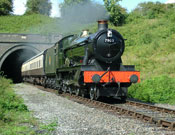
55	48
39	63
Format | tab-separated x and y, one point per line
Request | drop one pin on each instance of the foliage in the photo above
50	127
149	44
14	115
153	10
140	30
170	12
6	7
12	110
150	47
116	12
8	100
38	7
159	89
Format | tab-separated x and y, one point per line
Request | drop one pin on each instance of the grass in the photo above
150	47
15	118
38	24
21	24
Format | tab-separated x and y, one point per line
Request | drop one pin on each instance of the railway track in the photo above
159	116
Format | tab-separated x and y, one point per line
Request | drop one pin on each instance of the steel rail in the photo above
119	110
151	107
123	111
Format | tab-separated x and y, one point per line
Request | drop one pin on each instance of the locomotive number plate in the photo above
109	40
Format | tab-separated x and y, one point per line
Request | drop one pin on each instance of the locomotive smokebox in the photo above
102	25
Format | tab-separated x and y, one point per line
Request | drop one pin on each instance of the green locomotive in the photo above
87	65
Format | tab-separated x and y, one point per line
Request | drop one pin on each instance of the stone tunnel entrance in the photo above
11	65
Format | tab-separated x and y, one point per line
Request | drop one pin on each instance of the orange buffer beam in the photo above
111	76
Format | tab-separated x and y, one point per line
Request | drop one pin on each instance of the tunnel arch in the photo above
12	59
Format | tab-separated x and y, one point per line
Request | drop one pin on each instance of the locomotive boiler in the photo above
85	64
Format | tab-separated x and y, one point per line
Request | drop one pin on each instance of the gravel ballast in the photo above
77	119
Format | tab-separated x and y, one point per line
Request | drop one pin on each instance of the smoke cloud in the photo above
77	15
73	19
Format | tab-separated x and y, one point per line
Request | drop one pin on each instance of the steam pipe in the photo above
102	25
85	60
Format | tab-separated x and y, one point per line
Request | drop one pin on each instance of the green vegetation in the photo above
42	7
156	90
50	127
116	12
150	46
6	7
13	113
27	24
15	119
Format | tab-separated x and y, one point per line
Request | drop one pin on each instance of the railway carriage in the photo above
87	65
33	69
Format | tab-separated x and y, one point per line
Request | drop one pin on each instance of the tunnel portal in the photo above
17	48
11	66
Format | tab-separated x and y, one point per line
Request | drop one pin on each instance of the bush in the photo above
170	15
133	17
151	10
8	100
146	38
15	119
156	90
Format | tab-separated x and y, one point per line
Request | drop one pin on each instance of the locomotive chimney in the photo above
102	24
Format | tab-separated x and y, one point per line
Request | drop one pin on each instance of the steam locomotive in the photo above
85	64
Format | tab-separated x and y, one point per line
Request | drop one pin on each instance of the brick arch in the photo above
11	61
16	48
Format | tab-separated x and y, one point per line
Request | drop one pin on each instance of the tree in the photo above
150	9
6	7
116	12
39	7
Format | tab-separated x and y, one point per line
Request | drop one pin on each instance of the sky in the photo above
132	4
19	5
